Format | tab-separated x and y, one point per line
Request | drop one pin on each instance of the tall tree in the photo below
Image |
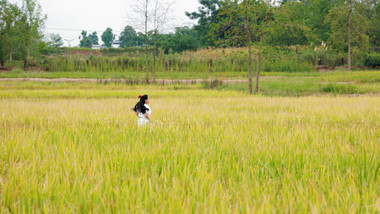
33	23
288	25
243	23
3	4
140	39
94	38
349	35
338	19
85	41
315	12
160	15
140	19
371	10
206	15
184	39
108	37
12	28
248	31
128	37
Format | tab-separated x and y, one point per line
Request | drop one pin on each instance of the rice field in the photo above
79	151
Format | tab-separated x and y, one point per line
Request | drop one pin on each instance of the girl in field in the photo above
143	111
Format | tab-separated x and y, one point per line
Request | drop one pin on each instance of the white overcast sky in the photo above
69	17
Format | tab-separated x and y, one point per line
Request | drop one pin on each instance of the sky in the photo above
68	18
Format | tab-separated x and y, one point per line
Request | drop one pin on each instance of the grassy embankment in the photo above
278	84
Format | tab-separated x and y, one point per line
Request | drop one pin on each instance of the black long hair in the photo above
139	107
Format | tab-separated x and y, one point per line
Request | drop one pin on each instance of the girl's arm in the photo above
147	116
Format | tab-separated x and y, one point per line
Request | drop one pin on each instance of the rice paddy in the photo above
77	148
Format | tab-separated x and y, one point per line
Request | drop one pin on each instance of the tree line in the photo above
345	29
288	22
221	23
182	39
343	26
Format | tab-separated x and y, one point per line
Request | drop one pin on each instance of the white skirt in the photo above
142	121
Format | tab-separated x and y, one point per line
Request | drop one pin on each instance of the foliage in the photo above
11	28
206	15
85	41
370	10
94	38
47	49
183	39
314	15
20	29
372	60
128	37
299	25
337	18
55	40
33	22
108	37
288	27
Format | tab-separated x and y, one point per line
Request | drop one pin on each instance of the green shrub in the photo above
372	60
309	56
15	64
326	57
17	70
339	89
91	57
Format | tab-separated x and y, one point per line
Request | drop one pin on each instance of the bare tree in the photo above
141	17
153	15
160	16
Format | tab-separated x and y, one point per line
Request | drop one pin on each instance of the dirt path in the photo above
159	81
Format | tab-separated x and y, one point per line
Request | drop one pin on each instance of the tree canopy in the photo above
108	37
128	37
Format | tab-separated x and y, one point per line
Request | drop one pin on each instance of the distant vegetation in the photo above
231	36
276	59
297	26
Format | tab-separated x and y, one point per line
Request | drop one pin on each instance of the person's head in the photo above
144	99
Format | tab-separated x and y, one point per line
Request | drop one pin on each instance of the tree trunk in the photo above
27	50
154	55
249	39
146	42
250	67
349	36
258	66
11	55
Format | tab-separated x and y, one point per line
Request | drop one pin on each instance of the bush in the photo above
309	56
14	64
339	89
372	60
214	84
17	70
